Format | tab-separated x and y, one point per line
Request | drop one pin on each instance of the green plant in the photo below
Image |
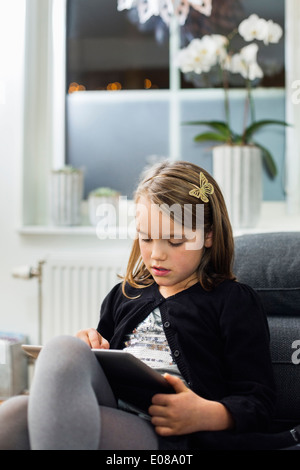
104	192
223	133
214	50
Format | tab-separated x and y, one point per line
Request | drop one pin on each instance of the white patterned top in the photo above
148	342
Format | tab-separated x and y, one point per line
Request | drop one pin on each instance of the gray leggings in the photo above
71	406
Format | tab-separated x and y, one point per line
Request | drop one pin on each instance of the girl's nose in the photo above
158	250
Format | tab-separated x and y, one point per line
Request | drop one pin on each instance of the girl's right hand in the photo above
93	338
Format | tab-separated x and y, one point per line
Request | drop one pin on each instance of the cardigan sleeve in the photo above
106	325
249	370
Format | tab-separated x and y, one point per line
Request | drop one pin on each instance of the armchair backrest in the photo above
270	264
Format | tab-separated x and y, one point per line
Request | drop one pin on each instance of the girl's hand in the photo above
185	412
93	338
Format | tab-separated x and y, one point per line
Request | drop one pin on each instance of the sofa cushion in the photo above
285	353
270	263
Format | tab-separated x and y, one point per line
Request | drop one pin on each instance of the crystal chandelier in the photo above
166	8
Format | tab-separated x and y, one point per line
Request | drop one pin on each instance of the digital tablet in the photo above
130	379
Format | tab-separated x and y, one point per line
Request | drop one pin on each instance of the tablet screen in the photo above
131	379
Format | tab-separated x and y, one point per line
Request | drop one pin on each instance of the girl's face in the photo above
168	252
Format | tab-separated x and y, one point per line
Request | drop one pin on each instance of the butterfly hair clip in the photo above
204	188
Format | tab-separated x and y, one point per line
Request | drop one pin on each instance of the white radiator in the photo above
72	289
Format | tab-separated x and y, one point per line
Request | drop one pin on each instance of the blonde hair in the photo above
170	183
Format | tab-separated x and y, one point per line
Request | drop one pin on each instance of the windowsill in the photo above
273	219
120	233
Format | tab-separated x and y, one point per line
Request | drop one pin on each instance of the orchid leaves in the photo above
220	132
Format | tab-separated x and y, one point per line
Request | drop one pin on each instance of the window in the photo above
125	101
225	17
110	50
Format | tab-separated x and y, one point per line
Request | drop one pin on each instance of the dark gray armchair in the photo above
270	263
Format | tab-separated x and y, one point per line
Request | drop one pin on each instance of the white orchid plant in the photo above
215	50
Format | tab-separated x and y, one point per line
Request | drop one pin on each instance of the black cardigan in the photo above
219	340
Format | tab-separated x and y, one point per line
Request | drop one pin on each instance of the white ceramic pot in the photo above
66	197
238	171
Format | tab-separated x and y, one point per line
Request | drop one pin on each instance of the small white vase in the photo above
238	171
66	197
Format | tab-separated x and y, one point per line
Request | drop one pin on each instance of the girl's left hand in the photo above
185	412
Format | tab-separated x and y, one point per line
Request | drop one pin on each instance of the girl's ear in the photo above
208	239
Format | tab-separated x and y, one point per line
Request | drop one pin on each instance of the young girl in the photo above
180	310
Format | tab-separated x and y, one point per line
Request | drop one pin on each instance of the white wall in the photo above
12	299
18	298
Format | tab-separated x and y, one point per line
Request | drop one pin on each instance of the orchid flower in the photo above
245	63
203	54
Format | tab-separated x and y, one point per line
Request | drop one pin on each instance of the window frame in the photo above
55	109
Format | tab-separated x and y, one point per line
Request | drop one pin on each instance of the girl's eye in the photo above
145	240
176	244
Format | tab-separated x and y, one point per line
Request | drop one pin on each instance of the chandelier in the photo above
166	8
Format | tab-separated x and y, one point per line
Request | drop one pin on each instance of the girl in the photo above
179	309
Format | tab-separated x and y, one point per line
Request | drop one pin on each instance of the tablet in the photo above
131	379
